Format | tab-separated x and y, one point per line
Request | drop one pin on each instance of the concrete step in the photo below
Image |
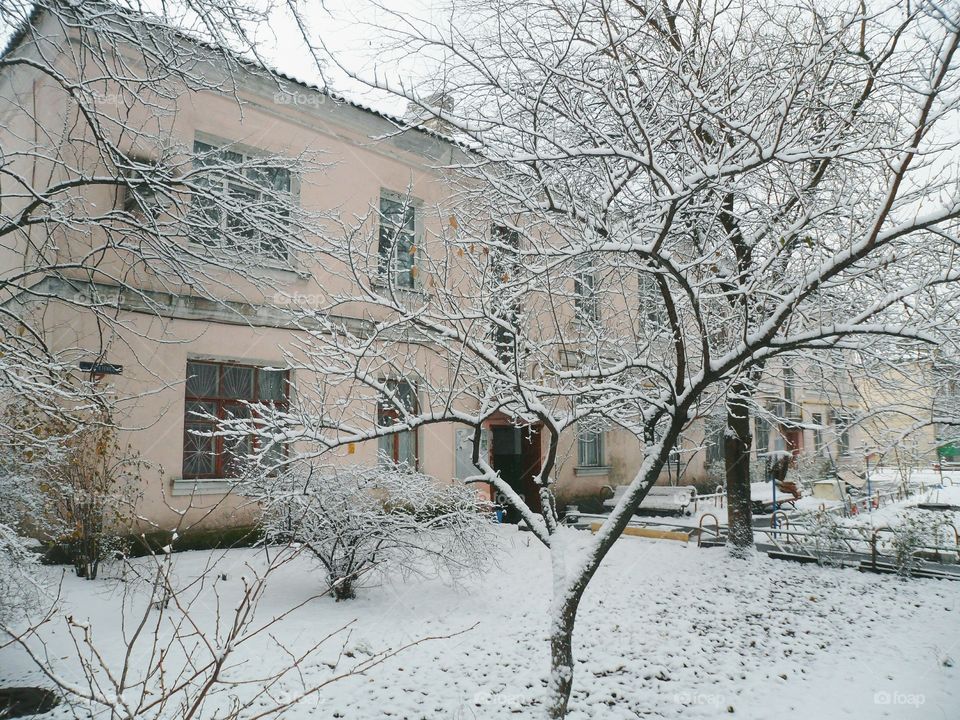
793	557
713	542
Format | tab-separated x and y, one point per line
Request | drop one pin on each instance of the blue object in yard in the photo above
500	513
773	485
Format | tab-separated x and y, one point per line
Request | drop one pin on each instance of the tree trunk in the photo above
561	659
342	587
736	452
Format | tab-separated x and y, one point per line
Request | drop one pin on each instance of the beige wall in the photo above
150	402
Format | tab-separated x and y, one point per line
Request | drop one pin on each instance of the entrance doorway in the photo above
793	439
515	454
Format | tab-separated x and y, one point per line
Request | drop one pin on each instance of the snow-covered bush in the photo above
66	480
829	537
916	532
31	440
908	539
21	590
354	519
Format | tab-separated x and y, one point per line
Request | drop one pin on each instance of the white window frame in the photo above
597	439
586	294
387	275
245	153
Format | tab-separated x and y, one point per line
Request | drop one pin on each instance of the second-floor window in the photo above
396	245
761	436
217	391
650	298
585	291
504	264
841	425
505	255
243	204
788	386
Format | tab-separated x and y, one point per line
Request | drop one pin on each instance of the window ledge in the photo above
592	471
205	486
401	290
224	258
292	268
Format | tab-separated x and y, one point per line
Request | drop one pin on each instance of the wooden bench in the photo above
660	499
766	506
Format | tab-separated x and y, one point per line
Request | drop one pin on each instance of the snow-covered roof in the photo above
34	18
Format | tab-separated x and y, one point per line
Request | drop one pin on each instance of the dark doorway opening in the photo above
515	455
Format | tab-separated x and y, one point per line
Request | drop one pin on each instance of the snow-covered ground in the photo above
665	631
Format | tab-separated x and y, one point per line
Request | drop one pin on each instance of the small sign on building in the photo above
101	368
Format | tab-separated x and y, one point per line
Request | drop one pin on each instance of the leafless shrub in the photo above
355	519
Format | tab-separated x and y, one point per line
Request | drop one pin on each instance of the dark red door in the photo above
515	453
530	449
793	438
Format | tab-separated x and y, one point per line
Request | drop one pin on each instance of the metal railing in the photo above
702	528
854	543
718	497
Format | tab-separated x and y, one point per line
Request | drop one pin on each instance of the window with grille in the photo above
242	204
217	391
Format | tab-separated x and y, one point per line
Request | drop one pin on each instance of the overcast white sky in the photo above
347	28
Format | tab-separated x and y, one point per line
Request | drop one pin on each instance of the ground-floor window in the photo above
217	391
402	447
590	448
818	432
713	431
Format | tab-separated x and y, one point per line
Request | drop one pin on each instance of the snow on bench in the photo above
660	498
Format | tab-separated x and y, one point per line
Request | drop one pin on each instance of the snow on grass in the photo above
895	514
665	631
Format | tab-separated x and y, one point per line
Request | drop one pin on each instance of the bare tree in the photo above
677	196
105	208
